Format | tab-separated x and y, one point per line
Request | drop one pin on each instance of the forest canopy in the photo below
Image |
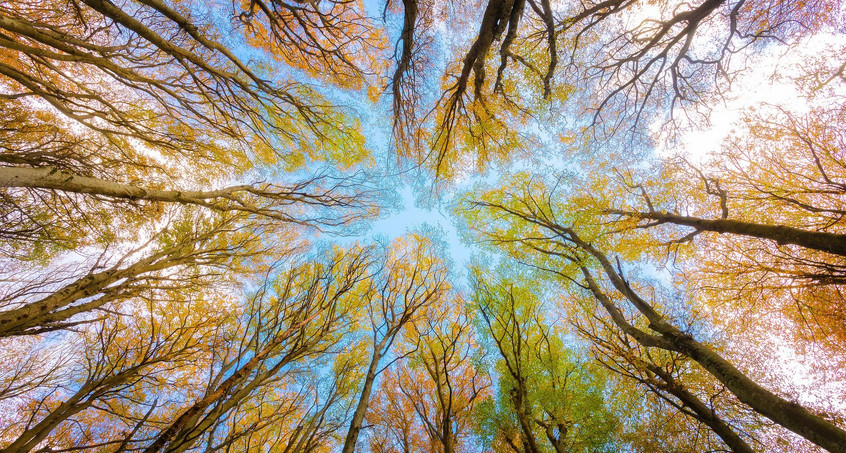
634	235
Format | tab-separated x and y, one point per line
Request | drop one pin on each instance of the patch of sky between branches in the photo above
408	217
770	80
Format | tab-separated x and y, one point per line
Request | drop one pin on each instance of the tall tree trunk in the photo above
519	395
196	409
51	309
448	436
557	441
786	413
363	400
30	438
52	178
265	200
817	240
703	413
184	422
81	400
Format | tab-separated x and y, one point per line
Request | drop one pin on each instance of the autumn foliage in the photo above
188	192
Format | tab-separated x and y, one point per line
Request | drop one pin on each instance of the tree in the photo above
301	321
675	54
409	279
530	223
294	415
246	351
396	427
319	202
191	246
791	252
547	400
619	63
166	59
106	384
431	403
673	381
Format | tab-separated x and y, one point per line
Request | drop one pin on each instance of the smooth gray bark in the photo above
52	178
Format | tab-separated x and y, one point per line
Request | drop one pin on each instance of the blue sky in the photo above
410	217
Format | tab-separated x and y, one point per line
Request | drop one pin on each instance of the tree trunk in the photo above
51	178
448	436
200	406
518	398
189	416
43	312
556	441
817	240
703	413
81	400
17	321
787	414
30	438
363	400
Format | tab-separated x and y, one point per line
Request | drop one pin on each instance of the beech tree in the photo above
669	378
431	403
763	223
410	278
300	321
320	201
546	401
540	228
197	249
